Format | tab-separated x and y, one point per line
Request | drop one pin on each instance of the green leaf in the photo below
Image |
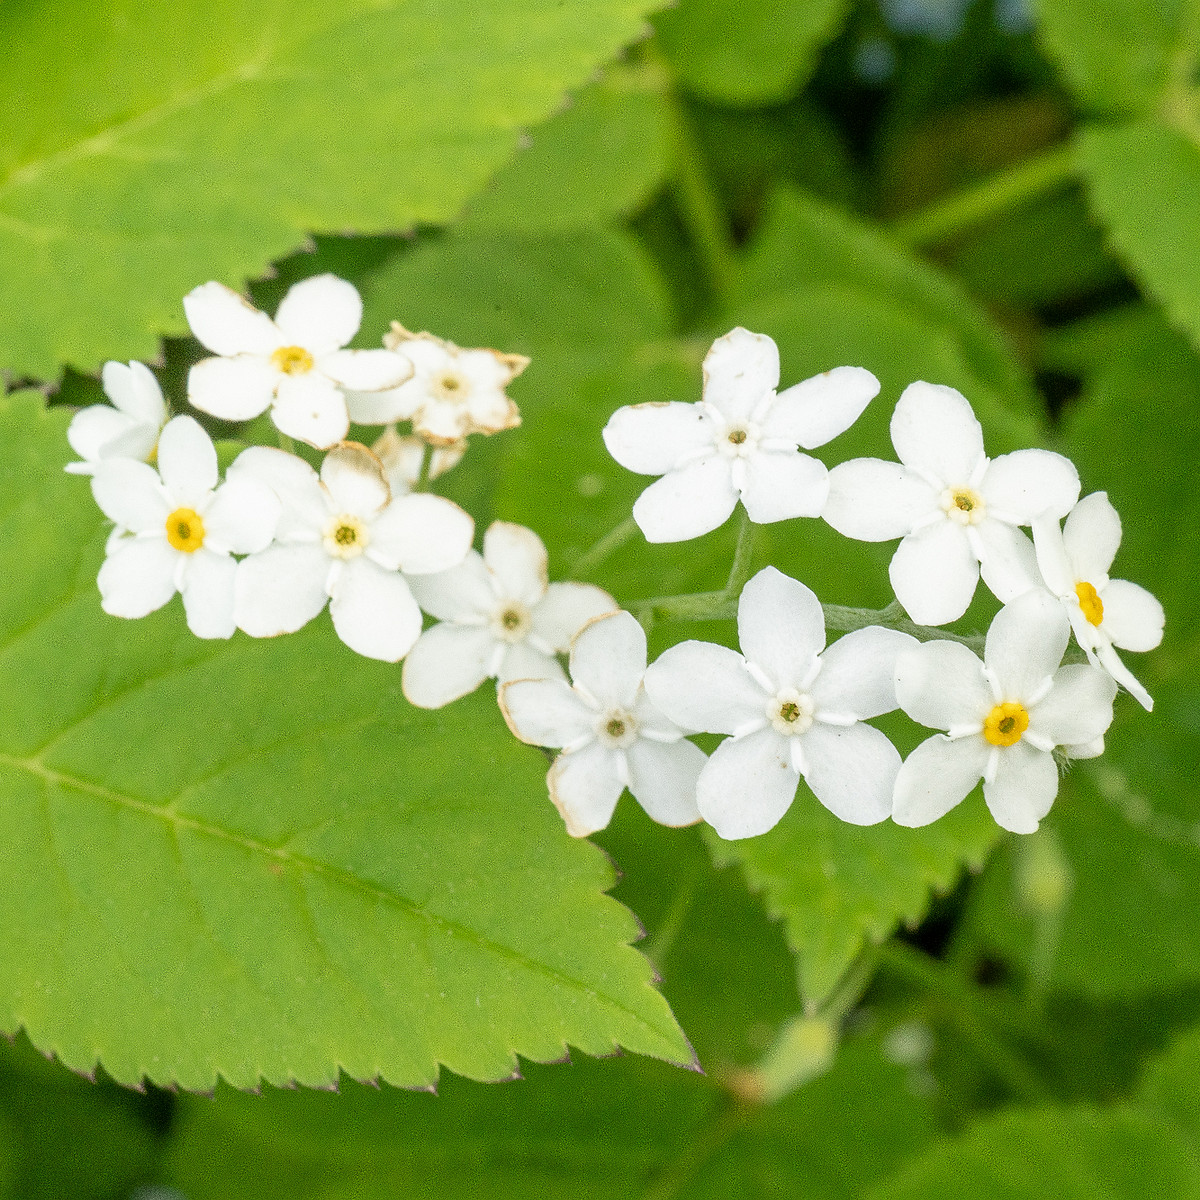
254	860
600	159
747	54
244	127
1170	1088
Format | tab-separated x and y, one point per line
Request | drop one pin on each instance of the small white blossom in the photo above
500	619
402	455
130	430
294	364
790	709
343	538
739	442
179	530
956	510
612	737
1003	717
452	392
1103	612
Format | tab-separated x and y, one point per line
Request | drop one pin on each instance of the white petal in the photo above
131	494
858	672
784	483
1052	561
243	516
374	612
935	777
705	687
1024	788
366	370
226	323
585	788
1078	708
442	424
739	370
652	438
1111	661
687	503
1092	534
1025	644
143	398
447	662
422	534
522	661
305	506
463	593
378	408
1009	564
517	558
311	409
874	501
320	314
565	609
1026	483
137	577
234	389
662	779
187	462
934	573
935	431
852	771
1133	618
94	428
608	657
941	684
747	785
545	712
280	590
354	479
816	411
208	594
781	627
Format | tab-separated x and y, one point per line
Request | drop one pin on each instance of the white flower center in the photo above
512	622
738	440
791	712
450	386
617	729
346	536
963	505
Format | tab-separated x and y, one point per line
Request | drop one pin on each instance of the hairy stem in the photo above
599	551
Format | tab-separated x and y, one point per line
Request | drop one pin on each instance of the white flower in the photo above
1103	612
294	364
956	510
1003	717
402	456
130	430
739	442
343	538
499	619
612	736
181	529
791	710
452	392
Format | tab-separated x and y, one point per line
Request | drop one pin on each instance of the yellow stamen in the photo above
1090	602
292	360
1005	724
346	537
185	530
963	505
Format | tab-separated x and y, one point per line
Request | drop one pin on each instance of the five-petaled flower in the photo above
178	530
130	430
343	538
1103	612
739	442
1003	717
611	735
293	364
956	510
499	618
790	709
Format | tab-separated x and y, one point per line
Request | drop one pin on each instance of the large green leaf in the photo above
254	860
242	128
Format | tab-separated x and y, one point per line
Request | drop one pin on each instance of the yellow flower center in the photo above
1005	724
346	537
292	360
963	505
185	530
1090	602
451	386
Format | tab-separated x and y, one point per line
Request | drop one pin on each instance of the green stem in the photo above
422	484
285	442
609	544
845	620
743	557
955	214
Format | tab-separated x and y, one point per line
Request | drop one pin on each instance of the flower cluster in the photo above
281	538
